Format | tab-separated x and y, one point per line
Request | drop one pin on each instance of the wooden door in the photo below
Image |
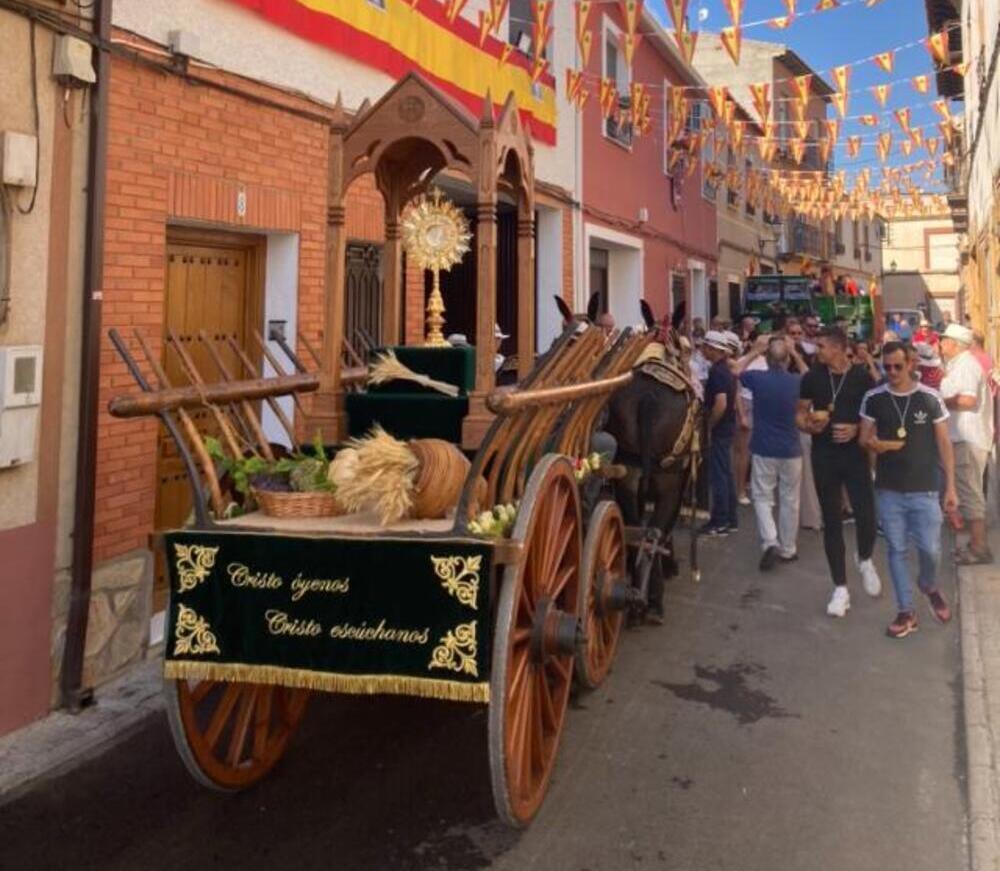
213	286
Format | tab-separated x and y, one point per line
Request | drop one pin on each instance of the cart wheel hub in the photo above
554	632
611	593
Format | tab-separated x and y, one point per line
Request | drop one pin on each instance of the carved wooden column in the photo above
392	286
327	408
525	288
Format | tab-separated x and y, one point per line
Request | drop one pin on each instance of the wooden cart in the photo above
527	612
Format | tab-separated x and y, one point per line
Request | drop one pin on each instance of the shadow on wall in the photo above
909	290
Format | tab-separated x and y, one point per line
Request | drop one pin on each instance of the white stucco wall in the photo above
980	21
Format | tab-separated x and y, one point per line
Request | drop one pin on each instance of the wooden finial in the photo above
488	119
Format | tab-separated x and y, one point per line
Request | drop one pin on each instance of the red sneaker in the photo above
939	607
904	624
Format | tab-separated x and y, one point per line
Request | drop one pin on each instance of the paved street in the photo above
751	732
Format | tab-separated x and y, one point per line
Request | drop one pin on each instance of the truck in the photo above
767	296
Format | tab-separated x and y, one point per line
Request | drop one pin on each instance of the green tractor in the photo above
768	296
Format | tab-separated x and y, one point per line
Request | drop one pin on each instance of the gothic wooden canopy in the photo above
405	139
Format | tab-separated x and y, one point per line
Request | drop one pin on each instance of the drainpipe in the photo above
74	695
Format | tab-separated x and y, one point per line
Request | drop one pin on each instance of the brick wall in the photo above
181	153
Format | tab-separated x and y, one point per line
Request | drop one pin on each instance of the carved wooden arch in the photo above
412	129
513	139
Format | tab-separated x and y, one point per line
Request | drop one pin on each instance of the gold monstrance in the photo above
436	235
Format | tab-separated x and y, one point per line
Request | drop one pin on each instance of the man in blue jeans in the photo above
720	407
905	423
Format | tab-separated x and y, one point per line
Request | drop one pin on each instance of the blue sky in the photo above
839	36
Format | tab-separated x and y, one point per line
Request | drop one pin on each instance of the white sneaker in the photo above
839	603
744	499
869	577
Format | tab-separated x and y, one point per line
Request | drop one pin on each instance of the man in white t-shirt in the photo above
970	427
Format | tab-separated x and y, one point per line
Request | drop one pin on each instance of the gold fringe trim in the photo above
355	684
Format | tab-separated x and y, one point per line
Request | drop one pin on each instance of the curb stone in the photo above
980	619
62	741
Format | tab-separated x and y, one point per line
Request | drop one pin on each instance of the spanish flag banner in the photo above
445	50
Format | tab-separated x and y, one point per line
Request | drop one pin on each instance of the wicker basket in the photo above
314	503
440	477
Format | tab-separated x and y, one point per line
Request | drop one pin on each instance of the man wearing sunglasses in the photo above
828	409
905	424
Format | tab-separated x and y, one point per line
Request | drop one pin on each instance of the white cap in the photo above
718	340
735	342
958	333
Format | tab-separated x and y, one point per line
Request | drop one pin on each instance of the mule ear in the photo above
564	309
647	314
680	311
593	307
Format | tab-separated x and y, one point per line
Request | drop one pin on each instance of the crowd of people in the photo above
815	430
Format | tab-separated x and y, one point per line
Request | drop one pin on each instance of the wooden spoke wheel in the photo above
535	637
230	735
604	594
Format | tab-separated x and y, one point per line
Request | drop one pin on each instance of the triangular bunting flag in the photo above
538	69
903	119
868	120
498	11
884	60
937	45
839	100
732	38
802	129
717	99
884	146
942	108
824	150
947	132
678	13
584	38
485	25
881	93
798	149
453	9
832	128
853	146
906	147
824	5
917	135
686	41
841	75
931	145
781	22
802	85
574	79
921	84
760	94
505	49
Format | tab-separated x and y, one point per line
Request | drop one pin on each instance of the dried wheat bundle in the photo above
388	368
378	475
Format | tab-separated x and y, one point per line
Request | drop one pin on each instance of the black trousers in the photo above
837	468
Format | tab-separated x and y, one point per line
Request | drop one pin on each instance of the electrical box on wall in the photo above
18	164
72	61
20	401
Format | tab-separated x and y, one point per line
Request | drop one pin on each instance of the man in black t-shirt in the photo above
830	399
905	423
720	408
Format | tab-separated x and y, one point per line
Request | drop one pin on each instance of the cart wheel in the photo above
535	637
605	594
230	735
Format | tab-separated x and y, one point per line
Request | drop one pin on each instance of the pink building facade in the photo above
647	233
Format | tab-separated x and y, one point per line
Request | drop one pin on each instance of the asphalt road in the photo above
751	732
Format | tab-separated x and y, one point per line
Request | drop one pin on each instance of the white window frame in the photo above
608	26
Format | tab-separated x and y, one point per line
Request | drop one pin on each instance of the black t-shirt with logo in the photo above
819	384
914	468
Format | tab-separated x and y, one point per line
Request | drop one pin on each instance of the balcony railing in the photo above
802	238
